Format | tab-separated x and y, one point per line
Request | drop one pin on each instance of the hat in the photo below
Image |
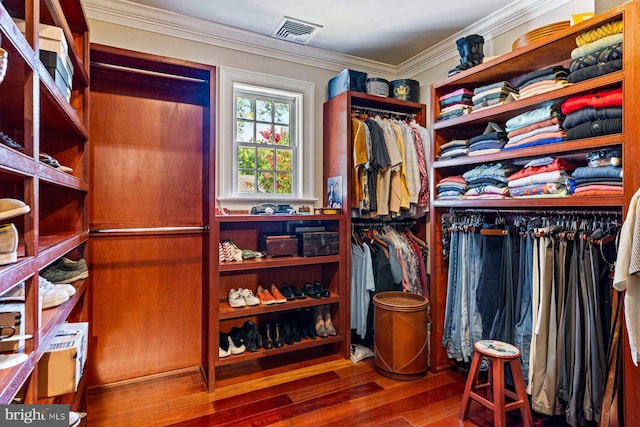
12	207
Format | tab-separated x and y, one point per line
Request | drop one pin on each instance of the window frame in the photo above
303	191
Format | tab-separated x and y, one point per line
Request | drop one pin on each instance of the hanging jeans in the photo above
522	321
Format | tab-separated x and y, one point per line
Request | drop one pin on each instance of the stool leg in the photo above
521	392
472	378
499	414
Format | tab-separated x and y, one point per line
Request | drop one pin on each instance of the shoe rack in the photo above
37	115
245	231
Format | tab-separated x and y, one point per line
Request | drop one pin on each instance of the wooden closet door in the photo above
146	217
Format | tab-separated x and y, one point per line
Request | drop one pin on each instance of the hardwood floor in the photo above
323	391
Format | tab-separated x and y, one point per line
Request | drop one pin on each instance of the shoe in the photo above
249	331
287	292
249	298
8	244
267	341
321	330
328	324
235	299
221	256
12	207
50	294
63	272
69	264
223	348
297	292
280	299
69	289
278	342
287	334
227	256
236	342
308	320
311	291
265	297
321	289
4	139
49	160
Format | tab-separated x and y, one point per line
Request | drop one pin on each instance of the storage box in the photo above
54	65
61	366
50	37
12	314
319	243
279	245
347	80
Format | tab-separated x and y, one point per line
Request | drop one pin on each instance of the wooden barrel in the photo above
400	334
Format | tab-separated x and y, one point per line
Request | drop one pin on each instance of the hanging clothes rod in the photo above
380	224
149	230
146	72
540	212
378	111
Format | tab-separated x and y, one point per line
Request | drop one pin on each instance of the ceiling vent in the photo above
295	30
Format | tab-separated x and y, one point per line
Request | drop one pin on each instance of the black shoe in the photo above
287	334
308	319
250	335
311	291
321	289
237	336
287	292
277	339
224	345
297	292
267	342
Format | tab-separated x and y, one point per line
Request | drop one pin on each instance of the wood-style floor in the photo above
324	391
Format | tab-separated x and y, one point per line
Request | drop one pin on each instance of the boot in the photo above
328	324
277	339
308	320
321	330
471	53
267	342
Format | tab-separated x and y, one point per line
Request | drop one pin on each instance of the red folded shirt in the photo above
605	98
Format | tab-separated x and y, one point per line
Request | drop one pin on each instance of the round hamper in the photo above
400	334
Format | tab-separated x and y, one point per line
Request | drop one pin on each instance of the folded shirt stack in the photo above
493	94
544	177
455	104
599	52
536	127
541	81
593	114
451	187
454	148
602	176
491	141
488	181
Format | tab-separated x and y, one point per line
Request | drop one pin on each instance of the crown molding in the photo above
142	17
511	16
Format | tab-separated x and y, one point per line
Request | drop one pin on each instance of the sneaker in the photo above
235	299
67	271
8	244
12	207
265	297
249	297
50	294
223	349
280	299
6	140
236	342
69	289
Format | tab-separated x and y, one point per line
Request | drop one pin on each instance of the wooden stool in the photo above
497	353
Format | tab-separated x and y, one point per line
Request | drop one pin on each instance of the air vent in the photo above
295	30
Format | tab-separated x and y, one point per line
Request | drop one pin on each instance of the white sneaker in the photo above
235	299
249	297
235	349
51	295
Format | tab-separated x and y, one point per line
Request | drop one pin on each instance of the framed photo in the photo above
334	192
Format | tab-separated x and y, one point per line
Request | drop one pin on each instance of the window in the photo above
265	138
265	142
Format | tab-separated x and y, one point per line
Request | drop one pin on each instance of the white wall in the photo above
158	44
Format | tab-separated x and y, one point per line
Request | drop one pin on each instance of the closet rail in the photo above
380	111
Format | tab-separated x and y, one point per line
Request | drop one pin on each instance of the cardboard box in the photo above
62	364
51	39
54	65
12	314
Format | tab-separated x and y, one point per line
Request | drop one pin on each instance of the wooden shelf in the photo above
228	312
276	262
304	344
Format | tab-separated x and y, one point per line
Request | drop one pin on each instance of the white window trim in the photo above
225	154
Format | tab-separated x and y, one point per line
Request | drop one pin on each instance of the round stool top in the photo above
497	349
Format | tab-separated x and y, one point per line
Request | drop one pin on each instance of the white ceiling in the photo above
377	30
